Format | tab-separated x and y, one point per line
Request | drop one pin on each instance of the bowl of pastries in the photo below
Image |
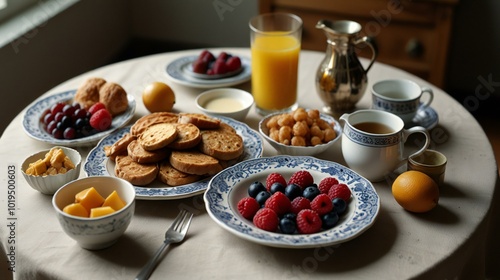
48	170
300	132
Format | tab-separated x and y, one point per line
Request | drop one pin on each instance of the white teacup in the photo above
400	97
373	142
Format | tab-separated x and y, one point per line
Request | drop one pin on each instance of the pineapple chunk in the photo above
76	209
101	211
114	201
68	164
57	158
89	198
36	168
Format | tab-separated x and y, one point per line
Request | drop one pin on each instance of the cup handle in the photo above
416	129
431	96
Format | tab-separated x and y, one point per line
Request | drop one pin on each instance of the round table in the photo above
448	242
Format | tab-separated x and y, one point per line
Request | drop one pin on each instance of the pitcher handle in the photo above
373	46
416	129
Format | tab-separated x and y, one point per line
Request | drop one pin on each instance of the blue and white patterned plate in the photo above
34	127
97	164
230	185
179	71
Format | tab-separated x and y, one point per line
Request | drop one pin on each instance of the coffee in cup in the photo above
400	97
373	142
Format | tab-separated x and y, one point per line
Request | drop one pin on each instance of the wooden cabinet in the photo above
411	35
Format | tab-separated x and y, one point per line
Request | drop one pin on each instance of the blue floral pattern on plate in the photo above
34	128
97	164
230	185
178	71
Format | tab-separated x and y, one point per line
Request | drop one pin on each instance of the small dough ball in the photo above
114	97
88	93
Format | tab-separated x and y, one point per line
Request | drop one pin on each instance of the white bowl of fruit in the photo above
95	211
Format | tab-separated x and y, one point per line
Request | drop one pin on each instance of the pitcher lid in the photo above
340	27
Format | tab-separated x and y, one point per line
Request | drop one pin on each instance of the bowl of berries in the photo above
292	202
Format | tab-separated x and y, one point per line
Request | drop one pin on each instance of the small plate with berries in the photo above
58	120
292	202
210	70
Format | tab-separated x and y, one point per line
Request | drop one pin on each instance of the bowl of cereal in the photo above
301	132
48	170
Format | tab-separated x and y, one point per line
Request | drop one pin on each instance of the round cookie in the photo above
158	136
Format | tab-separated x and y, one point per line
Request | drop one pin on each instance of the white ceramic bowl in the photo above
228	102
101	232
51	183
299	150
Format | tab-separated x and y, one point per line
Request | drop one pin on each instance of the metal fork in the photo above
174	234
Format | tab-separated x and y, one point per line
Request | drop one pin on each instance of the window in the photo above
11	7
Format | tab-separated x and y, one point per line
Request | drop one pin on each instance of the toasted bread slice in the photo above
200	120
188	136
222	145
146	121
119	147
194	162
138	154
173	177
158	136
134	172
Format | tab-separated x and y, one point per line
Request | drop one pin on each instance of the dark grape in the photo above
69	133
48	118
57	133
58	107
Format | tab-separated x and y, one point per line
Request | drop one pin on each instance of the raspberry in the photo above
248	206
326	183
266	219
274	178
308	221
341	191
302	178
96	107
300	203
322	204
279	203
101	120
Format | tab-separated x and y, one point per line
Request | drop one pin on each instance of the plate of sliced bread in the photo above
172	156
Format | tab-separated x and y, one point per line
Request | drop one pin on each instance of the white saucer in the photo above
425	117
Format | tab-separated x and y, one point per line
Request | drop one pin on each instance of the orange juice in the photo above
275	61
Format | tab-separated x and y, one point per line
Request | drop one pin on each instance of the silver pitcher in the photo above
341	80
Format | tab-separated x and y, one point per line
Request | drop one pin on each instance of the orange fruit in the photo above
158	97
415	191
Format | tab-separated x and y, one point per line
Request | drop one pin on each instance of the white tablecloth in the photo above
447	243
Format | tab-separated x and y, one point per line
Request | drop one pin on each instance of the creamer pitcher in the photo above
341	80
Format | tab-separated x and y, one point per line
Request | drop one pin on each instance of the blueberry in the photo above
329	220
255	188
311	192
291	216
292	191
339	205
277	187
287	226
262	197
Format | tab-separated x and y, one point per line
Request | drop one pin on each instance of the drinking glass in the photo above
275	45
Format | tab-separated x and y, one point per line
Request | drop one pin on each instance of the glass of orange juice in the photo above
275	44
